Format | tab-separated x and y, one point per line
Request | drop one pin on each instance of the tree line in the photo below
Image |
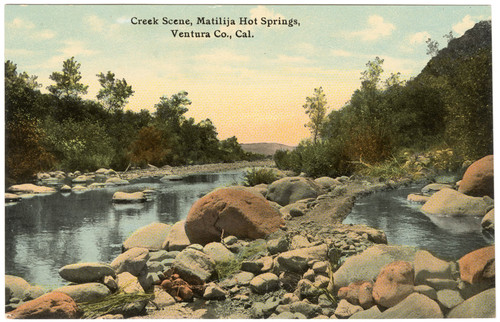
61	130
448	106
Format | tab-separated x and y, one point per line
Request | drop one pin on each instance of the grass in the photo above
111	303
252	251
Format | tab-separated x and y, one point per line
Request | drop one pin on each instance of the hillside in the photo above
265	148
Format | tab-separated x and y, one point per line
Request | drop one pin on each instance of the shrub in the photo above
256	176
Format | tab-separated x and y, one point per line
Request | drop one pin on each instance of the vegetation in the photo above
447	107
111	303
256	176
63	131
252	251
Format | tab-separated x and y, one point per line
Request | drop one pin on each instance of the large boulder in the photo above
87	292
231	212
133	261
415	306
449	202
292	189
54	305
394	283
125	197
86	272
151	237
17	286
478	179
193	266
428	266
177	238
488	222
481	305
366	265
327	183
476	264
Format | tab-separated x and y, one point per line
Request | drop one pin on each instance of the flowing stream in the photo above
44	233
448	238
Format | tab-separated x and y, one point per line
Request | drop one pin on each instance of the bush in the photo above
256	176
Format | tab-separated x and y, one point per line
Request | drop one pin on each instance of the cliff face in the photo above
474	40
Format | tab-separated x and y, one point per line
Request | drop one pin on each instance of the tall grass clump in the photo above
252	251
257	176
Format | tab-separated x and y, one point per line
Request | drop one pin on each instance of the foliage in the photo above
26	154
79	145
111	303
114	93
316	110
68	82
150	147
256	176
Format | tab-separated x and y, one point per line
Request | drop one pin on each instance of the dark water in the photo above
44	233
446	237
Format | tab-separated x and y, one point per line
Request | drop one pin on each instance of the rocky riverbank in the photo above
298	261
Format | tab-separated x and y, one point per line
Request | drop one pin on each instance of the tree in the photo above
170	111
432	47
114	93
371	76
68	82
316	109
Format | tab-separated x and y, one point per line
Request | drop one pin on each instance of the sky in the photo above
251	87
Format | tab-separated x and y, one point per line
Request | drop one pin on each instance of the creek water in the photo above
44	233
448	238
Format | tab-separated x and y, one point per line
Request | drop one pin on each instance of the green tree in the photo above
316	110
114	93
170	111
370	78
68	82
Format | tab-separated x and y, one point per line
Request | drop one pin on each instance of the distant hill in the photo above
265	148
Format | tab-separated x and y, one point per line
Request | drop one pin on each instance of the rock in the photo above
478	179
159	256
415	306
371	313
79	188
432	188
125	197
297	260
481	305
32	293
474	264
326	183
162	299
54	305
346	309
299	241
309	275
115	181
358	293
86	272
449	202
488	222
82	179
29	188
412	197
292	189
87	292
427	266
177	239
366	266
394	283
234	212
132	261
449	298
306	289
280	245
321	281
65	188
218	252
214	292
426	290
441	283
151	237
129	283
264	283
321	267
308	309
10	197
193	266
17	286
375	235
243	278
110	282
252	266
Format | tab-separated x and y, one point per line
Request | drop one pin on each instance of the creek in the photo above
45	233
448	238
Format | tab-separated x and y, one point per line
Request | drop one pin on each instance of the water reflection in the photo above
446	237
45	233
